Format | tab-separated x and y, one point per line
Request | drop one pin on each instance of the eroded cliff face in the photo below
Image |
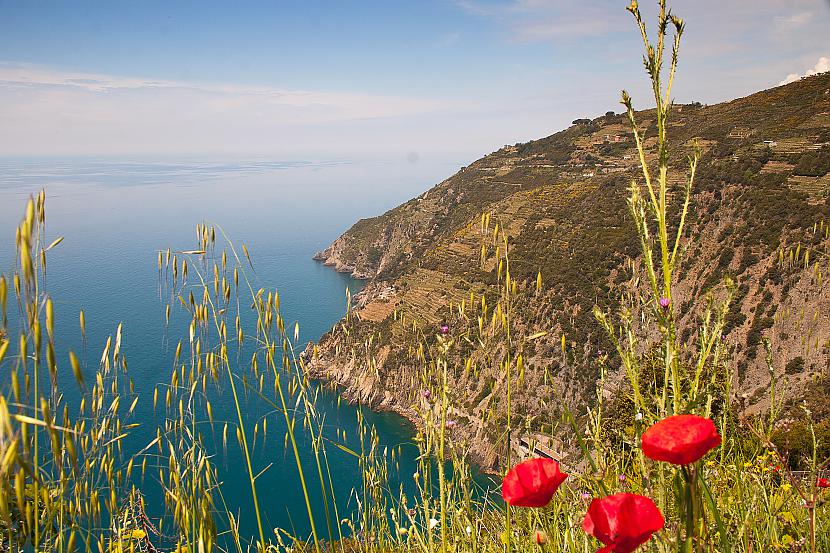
562	202
336	257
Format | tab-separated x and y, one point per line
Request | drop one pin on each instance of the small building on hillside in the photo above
616	138
739	132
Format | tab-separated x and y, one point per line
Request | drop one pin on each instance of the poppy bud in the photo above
822	482
540	537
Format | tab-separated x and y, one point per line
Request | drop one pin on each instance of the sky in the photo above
392	79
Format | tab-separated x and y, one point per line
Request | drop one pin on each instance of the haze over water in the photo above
115	216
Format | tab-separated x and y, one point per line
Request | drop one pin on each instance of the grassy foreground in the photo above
710	481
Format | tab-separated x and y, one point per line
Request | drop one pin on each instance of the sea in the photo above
115	215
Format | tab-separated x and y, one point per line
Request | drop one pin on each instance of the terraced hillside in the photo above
759	212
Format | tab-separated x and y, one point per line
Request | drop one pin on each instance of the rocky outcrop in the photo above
358	385
334	257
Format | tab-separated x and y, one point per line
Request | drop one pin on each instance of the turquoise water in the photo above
116	215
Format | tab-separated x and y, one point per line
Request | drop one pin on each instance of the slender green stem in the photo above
441	455
245	449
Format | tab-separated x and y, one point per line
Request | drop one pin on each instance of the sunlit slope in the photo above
758	206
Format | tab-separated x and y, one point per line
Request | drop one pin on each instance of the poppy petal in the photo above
622	521
532	483
680	439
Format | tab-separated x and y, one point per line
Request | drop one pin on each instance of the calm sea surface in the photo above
116	215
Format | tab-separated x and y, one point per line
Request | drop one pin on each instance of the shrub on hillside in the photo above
813	164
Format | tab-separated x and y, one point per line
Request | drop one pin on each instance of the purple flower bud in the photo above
586	496
426	394
664	303
445	329
622	479
451	423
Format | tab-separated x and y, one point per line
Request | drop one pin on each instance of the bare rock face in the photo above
562	201
336	256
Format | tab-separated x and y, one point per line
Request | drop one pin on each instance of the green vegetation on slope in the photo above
561	202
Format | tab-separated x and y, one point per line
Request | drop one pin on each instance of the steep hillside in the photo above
759	205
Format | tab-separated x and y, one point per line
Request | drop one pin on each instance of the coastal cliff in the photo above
759	217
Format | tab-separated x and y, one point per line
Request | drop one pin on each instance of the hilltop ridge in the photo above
759	204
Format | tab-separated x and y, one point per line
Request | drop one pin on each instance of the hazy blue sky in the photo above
349	79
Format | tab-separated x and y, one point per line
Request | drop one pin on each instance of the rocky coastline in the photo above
365	391
561	200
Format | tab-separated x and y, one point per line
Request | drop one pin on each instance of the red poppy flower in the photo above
822	482
532	483
623	521
681	439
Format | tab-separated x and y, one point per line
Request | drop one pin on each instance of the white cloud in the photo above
541	20
741	46
47	111
794	21
821	66
336	105
448	40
